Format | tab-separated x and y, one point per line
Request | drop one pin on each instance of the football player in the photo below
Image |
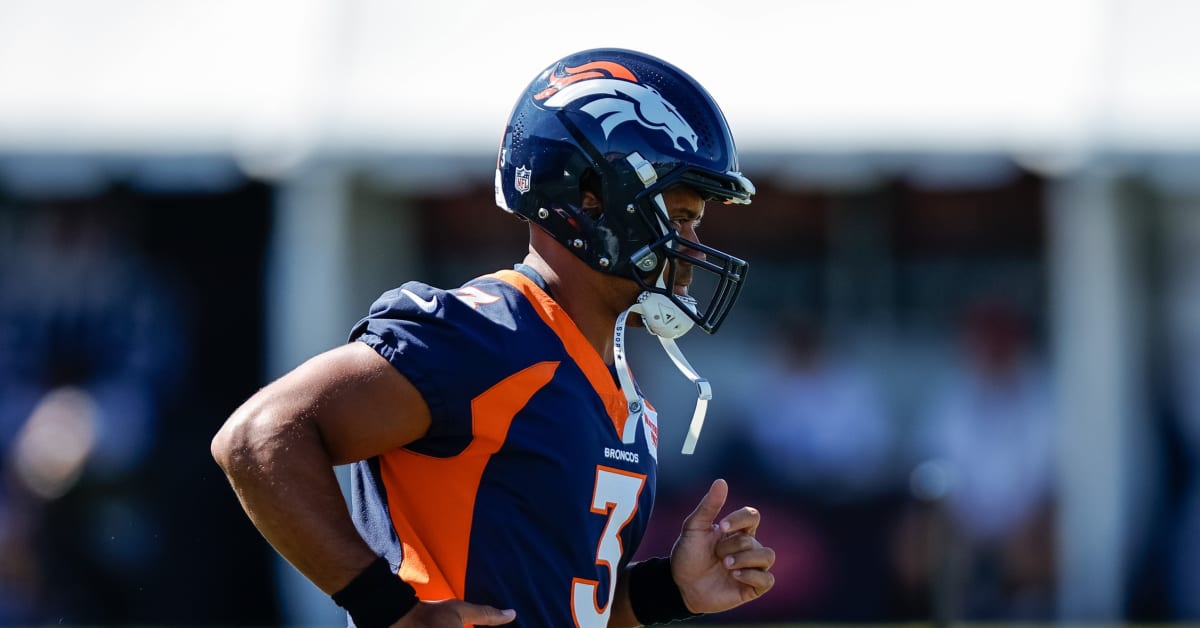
504	459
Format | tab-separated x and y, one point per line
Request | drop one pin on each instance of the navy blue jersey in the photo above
522	495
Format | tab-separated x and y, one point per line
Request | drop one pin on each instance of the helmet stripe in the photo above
595	69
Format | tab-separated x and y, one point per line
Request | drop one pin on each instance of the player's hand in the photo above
718	563
453	614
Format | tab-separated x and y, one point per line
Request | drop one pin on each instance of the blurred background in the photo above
960	383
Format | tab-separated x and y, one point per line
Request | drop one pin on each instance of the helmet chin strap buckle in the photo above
664	319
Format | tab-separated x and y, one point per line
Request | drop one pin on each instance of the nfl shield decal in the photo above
522	182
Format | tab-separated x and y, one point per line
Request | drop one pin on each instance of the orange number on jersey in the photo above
616	495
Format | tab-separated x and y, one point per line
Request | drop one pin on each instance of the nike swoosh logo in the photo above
427	305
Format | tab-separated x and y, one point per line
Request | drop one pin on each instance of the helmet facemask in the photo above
653	248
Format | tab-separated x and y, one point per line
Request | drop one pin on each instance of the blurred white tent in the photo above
284	79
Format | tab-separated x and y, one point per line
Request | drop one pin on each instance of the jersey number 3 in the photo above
615	495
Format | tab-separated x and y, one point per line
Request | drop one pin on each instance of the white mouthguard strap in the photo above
703	393
634	402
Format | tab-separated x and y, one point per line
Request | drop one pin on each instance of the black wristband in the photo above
376	597
653	594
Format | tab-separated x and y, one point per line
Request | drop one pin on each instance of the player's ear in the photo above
590	204
589	193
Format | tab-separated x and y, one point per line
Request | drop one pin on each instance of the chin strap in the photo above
649	301
633	402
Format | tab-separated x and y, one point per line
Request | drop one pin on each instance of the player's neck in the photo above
586	295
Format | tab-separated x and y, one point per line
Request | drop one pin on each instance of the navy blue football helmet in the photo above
628	126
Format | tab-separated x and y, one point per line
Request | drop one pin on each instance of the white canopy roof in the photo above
304	77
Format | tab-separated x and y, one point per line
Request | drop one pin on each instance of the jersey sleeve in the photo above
449	351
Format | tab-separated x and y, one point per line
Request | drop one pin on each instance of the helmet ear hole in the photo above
590	182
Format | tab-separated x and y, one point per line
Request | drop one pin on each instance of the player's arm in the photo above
279	448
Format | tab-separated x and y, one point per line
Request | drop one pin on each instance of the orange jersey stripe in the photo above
438	494
580	350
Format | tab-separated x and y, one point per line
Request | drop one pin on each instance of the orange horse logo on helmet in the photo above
620	98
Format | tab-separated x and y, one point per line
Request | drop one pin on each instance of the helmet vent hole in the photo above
518	132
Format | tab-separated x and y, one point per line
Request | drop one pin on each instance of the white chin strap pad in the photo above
662	316
667	324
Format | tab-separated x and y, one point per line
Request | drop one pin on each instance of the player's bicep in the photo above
358	403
